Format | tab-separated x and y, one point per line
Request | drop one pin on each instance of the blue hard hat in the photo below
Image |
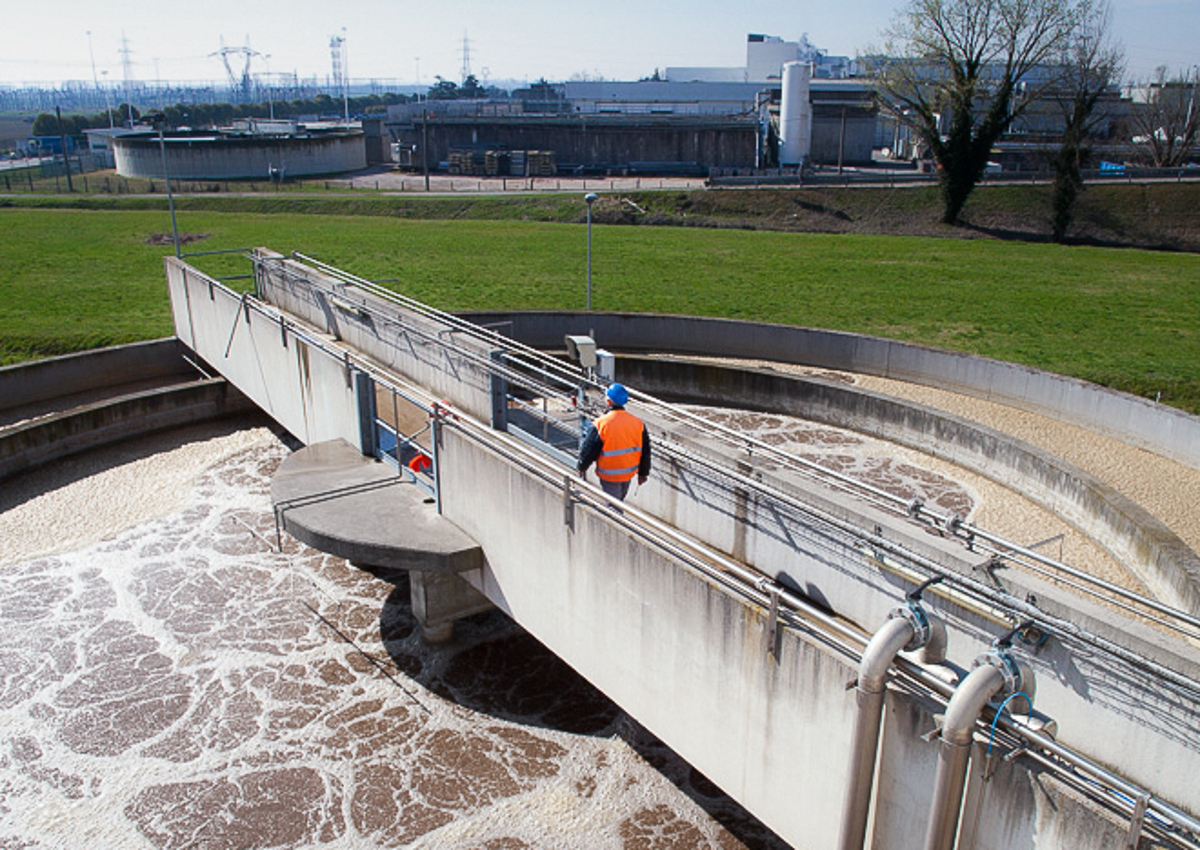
618	395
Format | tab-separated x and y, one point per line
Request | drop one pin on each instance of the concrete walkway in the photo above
332	498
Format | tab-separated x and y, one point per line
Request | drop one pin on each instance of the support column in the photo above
438	599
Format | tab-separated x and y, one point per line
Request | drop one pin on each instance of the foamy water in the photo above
169	681
908	474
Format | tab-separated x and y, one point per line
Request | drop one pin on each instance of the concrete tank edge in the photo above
1165	430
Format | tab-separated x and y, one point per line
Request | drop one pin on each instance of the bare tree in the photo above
1090	68
1167	121
962	70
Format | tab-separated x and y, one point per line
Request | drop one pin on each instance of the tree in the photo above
443	90
127	114
962	71
1090	67
1167	121
48	124
471	89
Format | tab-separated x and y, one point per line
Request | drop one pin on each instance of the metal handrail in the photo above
800	613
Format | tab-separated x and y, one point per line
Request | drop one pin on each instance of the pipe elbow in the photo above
968	702
891	637
934	651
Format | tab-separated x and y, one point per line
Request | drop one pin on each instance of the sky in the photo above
413	43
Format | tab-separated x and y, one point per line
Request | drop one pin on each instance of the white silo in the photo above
795	120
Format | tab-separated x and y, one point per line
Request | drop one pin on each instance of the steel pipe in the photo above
962	714
892	637
996	674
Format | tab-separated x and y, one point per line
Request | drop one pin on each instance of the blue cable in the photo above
1163	822
1000	710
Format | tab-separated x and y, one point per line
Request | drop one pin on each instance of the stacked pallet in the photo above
541	163
496	163
462	162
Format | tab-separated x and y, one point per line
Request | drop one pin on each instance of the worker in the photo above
619	444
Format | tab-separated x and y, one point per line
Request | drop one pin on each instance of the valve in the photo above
1017	675
914	612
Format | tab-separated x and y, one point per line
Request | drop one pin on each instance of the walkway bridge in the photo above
854	668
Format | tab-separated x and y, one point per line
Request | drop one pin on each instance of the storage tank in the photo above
795	120
225	155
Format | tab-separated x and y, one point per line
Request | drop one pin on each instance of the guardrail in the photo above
552	380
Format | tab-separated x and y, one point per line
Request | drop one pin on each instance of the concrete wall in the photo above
688	659
684	658
310	395
1155	427
55	377
234	157
105	412
1134	537
81	429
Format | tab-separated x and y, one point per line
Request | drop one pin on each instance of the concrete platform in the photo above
335	500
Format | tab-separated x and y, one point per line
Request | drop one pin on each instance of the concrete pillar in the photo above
440	598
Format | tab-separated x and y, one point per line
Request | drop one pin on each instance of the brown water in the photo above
171	682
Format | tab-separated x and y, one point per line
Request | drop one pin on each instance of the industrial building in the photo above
695	121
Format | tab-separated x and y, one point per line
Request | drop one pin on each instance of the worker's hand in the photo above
583	474
642	479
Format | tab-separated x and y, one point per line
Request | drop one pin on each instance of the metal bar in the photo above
247	251
237	316
1133	841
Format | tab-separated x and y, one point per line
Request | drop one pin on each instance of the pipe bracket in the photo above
1010	671
918	620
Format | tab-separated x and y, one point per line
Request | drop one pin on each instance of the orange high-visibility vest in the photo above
621	436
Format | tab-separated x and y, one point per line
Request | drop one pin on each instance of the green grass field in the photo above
74	279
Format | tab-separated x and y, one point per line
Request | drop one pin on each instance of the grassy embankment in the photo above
72	279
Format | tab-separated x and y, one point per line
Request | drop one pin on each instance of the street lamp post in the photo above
107	105
590	197
270	91
162	149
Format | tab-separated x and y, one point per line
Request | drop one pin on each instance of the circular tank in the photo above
215	155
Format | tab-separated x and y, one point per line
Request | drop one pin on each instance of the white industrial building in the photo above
765	57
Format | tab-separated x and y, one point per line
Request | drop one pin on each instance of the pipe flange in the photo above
918	620
1010	671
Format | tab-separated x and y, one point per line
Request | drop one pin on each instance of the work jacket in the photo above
621	437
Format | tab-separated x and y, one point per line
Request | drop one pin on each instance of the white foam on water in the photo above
167	684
